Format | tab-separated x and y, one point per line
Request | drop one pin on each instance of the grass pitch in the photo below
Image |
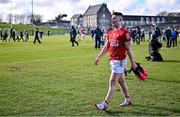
53	78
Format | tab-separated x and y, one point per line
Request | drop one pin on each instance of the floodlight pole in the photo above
32	18
11	13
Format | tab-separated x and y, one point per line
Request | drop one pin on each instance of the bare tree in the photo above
35	19
22	19
16	18
9	18
28	19
1	17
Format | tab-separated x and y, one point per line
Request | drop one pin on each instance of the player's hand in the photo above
96	61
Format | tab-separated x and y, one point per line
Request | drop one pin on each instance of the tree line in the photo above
21	18
26	19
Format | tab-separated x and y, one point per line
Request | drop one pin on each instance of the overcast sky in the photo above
51	8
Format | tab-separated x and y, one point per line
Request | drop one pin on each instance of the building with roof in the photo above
77	20
100	15
149	21
63	24
97	15
165	13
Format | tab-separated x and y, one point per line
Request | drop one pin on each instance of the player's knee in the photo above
112	81
121	81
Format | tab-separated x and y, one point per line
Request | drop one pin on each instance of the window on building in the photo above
147	20
131	23
104	15
153	21
104	9
158	20
142	21
163	20
127	22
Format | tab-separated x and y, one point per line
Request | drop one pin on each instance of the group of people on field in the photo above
14	35
137	34
20	35
97	36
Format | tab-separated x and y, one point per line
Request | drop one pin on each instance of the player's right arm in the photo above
102	53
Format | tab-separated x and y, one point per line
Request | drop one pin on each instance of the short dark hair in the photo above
117	13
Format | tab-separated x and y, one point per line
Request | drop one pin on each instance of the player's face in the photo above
116	20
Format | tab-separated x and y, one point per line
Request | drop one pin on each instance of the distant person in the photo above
173	36
17	35
41	34
98	34
92	33
73	35
138	35
11	34
157	33
21	36
78	35
14	35
1	34
48	33
142	35
83	33
5	36
149	34
37	36
154	47
168	37
26	35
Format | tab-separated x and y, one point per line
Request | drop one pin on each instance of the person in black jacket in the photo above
154	47
168	37
73	35
98	33
36	36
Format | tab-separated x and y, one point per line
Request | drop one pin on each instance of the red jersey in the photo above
116	46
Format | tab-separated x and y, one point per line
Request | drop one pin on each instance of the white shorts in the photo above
118	66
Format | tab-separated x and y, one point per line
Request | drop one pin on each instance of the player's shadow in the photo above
114	113
171	61
144	113
151	107
166	81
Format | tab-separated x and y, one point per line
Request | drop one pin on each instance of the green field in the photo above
53	78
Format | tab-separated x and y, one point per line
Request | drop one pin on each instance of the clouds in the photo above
144	7
4	1
169	5
51	8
